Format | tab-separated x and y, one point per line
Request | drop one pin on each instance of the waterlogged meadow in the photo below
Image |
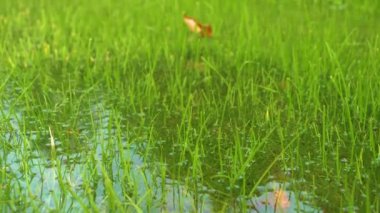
257	106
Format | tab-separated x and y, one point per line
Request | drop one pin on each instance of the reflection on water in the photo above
275	197
41	175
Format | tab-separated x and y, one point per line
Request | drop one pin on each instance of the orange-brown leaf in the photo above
282	199
197	27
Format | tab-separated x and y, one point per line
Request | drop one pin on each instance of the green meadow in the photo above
116	106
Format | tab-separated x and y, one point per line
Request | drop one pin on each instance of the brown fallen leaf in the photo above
197	27
281	199
278	200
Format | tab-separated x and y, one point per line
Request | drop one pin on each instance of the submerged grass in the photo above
147	117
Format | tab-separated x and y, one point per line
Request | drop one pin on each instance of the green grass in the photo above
148	117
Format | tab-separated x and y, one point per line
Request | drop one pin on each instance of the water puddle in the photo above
37	177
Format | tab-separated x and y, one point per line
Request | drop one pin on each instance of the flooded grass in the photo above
115	106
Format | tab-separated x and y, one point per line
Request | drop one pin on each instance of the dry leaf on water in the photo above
282	199
278	200
197	27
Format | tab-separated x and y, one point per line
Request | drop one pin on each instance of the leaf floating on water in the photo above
282	199
277	200
197	27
